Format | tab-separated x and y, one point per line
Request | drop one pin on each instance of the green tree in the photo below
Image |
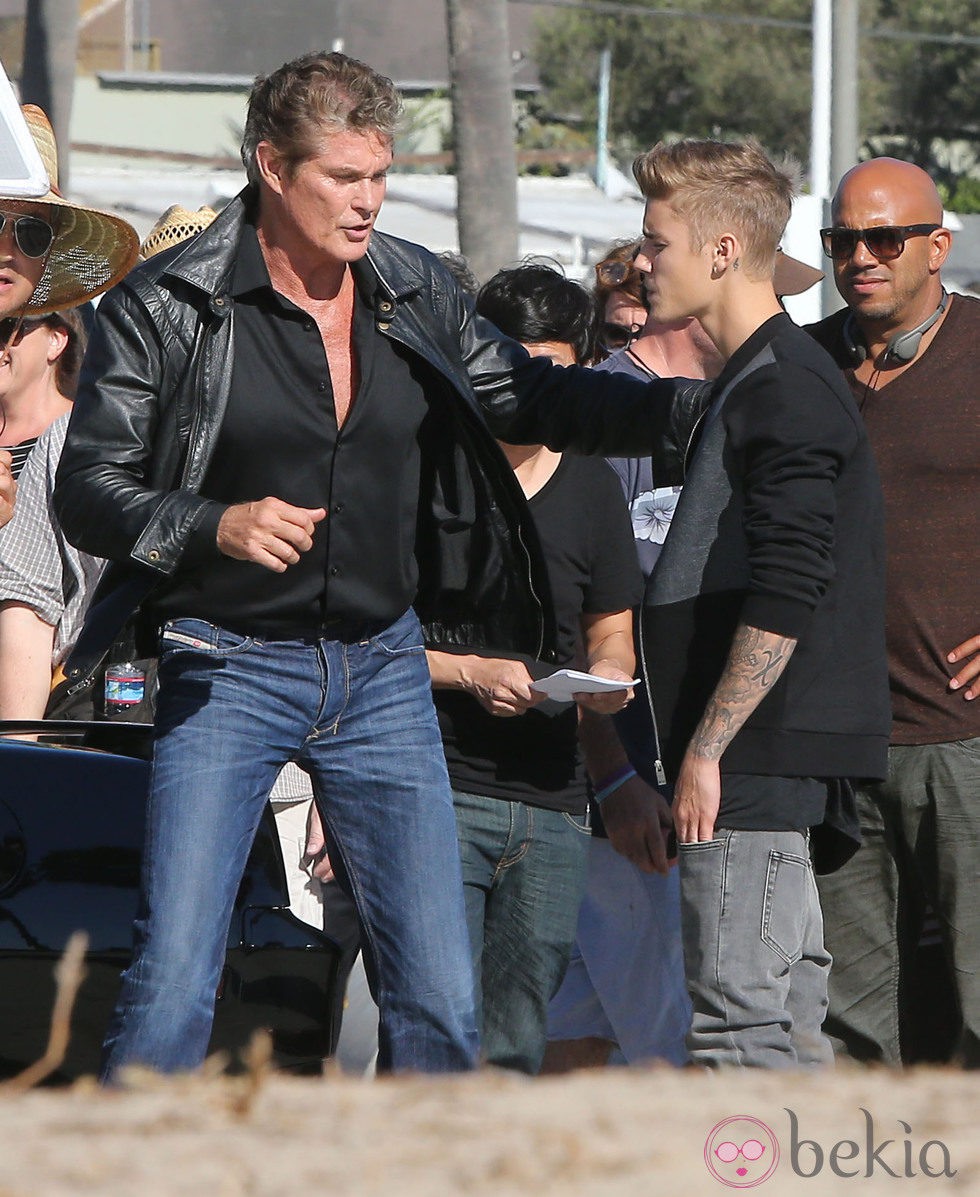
702	78
679	76
926	102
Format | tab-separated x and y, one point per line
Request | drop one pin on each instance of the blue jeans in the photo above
524	876
358	716
754	956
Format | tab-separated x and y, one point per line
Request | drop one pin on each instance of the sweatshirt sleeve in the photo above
792	437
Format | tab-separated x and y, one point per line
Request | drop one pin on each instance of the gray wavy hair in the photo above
320	92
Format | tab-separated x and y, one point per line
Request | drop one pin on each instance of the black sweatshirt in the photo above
779	526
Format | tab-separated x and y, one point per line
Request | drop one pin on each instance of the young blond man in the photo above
763	619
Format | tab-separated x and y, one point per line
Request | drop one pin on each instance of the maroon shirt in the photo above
924	427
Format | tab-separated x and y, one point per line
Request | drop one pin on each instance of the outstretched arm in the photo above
755	663
528	401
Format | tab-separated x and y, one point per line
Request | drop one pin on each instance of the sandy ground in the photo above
614	1132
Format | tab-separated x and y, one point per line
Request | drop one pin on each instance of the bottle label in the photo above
124	689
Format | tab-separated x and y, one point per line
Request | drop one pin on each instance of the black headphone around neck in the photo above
902	347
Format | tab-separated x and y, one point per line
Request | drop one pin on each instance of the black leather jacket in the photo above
156	382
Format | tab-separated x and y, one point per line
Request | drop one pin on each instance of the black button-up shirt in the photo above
279	437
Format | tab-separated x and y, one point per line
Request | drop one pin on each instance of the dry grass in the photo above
69	973
616	1133
607	1133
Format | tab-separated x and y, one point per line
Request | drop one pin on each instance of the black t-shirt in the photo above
752	802
279	437
585	532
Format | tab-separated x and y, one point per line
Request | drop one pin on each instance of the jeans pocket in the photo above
402	637
703	868
581	823
202	638
784	905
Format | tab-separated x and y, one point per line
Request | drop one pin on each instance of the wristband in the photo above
612	783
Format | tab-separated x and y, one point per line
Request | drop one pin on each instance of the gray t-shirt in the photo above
38	567
651	507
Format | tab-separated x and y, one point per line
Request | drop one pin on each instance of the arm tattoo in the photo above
756	660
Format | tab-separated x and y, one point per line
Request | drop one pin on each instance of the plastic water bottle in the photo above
124	685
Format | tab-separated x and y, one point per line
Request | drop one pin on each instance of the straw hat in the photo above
91	249
793	277
175	226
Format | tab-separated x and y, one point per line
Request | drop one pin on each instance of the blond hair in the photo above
715	186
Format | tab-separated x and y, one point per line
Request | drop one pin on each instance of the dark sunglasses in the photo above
32	234
885	241
13	329
616	336
613	273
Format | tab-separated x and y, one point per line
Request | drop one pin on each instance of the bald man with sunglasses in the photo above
911	354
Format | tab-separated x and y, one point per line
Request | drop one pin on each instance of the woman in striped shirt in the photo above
39	364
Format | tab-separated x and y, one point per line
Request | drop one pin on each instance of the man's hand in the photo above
609	701
637	818
500	686
316	847
269	532
970	671
8	488
697	796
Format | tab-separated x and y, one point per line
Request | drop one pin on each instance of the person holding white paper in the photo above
519	786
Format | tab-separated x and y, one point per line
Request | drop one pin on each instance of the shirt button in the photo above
334	570
338	508
308	325
321	387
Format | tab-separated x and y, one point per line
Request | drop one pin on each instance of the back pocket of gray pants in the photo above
784	911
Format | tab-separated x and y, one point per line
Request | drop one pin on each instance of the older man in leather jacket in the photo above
281	441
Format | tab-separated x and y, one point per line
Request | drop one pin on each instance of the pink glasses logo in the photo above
741	1152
